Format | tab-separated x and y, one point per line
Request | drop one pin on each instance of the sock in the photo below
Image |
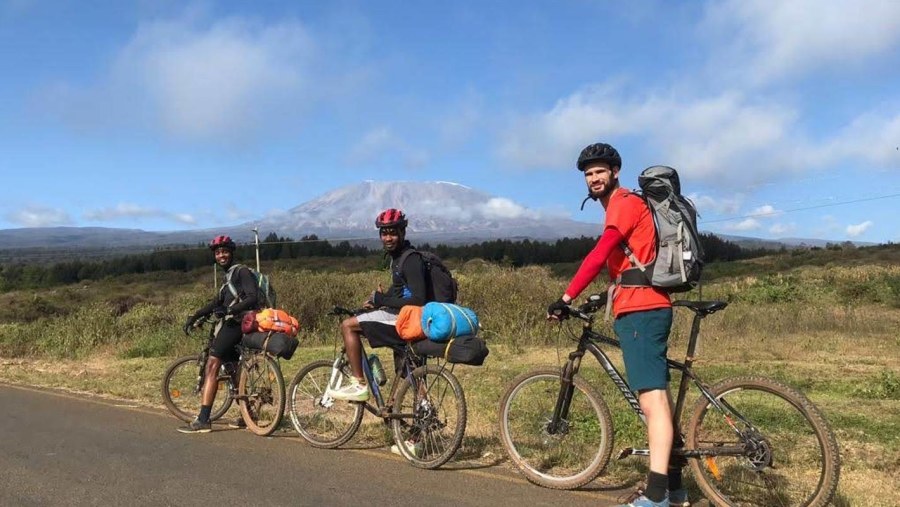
362	381
204	412
656	486
675	479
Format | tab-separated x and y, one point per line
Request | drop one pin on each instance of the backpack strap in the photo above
229	283
405	255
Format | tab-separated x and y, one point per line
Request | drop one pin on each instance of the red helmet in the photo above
391	218
222	242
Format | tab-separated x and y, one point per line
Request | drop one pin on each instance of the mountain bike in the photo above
259	393
425	405
750	440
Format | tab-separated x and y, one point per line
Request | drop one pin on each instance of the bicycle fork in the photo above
559	423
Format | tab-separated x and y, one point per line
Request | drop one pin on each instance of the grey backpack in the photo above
266	297
679	255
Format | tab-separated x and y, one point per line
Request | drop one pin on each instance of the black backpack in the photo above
439	283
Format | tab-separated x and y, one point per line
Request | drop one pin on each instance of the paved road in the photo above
61	449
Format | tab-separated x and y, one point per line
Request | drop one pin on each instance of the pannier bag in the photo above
469	350
443	321
278	344
270	319
409	323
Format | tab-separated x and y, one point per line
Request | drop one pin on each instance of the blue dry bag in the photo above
443	321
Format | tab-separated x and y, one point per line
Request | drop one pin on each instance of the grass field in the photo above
828	328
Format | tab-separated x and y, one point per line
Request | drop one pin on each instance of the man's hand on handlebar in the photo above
558	310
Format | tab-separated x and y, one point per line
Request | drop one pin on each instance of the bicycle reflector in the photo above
713	467
175	393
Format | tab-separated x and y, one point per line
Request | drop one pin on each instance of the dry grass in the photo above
830	331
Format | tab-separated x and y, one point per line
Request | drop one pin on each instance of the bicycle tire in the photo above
565	461
794	446
261	394
308	407
181	396
431	447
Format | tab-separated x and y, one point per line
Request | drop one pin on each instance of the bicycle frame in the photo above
589	342
380	408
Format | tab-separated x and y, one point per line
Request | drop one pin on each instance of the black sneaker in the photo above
196	426
237	423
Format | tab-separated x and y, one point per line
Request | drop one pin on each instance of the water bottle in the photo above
377	370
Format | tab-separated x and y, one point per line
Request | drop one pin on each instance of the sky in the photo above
782	118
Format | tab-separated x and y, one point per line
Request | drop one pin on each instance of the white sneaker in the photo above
414	448
354	391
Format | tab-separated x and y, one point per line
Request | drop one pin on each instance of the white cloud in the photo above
705	137
39	216
719	205
135	212
781	229
196	80
856	230
382	142
500	207
748	224
773	39
766	210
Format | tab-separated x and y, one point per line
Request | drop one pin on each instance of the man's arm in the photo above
593	263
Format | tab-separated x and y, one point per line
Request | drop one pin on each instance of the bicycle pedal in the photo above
624	453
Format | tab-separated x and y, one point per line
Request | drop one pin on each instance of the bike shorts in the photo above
228	336
644	336
382	334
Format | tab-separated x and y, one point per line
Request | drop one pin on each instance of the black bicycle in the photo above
425	407
750	441
259	393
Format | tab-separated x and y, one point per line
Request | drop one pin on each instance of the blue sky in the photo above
783	118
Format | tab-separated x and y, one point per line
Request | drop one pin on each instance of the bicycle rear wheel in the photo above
434	432
181	390
261	394
571	455
790	456
322	421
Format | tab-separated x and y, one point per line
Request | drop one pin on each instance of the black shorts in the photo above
385	335
227	338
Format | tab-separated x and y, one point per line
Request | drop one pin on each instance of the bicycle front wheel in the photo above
782	450
321	420
181	390
568	456
434	406
261	394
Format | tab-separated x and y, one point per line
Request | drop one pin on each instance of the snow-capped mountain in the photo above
435	210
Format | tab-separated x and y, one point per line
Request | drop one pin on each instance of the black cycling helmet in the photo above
222	242
391	217
599	152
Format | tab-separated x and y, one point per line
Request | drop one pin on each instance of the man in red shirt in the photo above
643	315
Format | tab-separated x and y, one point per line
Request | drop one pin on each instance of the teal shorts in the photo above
644	337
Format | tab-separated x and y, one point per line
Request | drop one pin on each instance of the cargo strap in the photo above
472	326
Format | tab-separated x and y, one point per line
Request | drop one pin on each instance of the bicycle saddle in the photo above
701	307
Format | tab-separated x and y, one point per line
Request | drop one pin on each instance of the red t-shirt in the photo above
628	214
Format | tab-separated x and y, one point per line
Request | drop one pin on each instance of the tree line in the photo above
514	253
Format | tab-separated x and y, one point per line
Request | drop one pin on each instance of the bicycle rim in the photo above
181	391
791	456
435	432
565	458
320	420
261	393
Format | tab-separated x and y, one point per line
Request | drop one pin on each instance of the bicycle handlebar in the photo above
584	312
